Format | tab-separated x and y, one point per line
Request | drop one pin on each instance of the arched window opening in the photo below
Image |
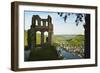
41	23
46	23
36	23
38	37
45	37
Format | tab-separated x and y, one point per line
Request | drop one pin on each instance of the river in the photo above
66	55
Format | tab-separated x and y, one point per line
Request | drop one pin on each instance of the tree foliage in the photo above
79	17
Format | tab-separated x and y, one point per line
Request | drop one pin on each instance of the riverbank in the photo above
66	55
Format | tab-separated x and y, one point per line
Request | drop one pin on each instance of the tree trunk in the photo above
87	36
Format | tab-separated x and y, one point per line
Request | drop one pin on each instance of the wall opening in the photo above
45	36
46	23
38	37
41	23
36	23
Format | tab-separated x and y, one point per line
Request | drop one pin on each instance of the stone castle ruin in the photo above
41	25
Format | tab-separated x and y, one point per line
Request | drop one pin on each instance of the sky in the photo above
59	26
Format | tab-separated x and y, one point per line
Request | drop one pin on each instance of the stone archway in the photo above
38	39
42	25
45	37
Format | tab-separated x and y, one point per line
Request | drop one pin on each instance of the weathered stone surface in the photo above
42	25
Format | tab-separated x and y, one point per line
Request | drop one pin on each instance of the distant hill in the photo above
65	37
71	39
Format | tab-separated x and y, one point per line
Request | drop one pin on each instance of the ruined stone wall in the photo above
41	25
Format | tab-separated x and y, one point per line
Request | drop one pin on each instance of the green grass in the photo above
38	38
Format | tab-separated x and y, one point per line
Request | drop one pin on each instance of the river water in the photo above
66	55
